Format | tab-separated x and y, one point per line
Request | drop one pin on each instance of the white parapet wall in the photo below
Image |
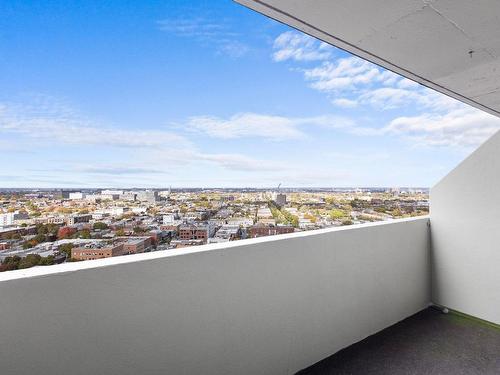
465	227
263	306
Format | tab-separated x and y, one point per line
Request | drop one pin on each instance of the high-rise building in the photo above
148	196
280	199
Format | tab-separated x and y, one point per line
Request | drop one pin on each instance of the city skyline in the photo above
211	95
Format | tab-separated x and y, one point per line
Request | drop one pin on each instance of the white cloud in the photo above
194	27
466	127
246	125
406	83
53	122
345	103
362	81
238	162
389	97
292	45
354	82
233	48
263	126
346	73
204	31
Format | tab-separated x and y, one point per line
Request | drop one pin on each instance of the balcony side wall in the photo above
262	307
465	230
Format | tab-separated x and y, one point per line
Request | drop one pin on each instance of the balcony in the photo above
343	300
271	305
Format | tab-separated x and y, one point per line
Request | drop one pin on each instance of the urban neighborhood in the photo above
44	227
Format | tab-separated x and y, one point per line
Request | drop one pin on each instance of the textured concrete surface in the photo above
270	305
465	236
428	342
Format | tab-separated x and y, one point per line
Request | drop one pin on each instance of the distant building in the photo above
261	230
264	213
194	232
148	196
93	197
112	192
75	219
280	199
65	193
9	218
109	197
22	231
4	246
6	219
76	195
240	221
136	245
169	219
173	228
128	196
267	221
227	233
97	252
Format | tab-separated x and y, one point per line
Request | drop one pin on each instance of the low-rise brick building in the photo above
97	252
269	230
136	245
194	232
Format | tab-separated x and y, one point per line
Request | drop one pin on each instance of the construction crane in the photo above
279	187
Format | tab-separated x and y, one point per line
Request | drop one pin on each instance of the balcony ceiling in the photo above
452	46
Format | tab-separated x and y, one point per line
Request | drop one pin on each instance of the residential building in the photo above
135	245
6	219
194	232
226	233
75	219
91	252
76	195
10	218
261	230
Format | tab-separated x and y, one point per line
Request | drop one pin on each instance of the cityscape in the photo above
244	187
41	227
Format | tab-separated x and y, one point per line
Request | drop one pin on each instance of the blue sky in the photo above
208	94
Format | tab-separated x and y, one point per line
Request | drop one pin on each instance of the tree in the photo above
396	212
337	214
47	261
311	218
41	229
65	232
66	249
27	245
10	263
39	238
85	233
100	225
29	261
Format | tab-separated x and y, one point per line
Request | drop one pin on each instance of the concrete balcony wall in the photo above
263	306
465	226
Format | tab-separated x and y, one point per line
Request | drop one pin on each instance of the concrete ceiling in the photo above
452	46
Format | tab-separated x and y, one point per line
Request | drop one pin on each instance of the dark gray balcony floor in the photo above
428	342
